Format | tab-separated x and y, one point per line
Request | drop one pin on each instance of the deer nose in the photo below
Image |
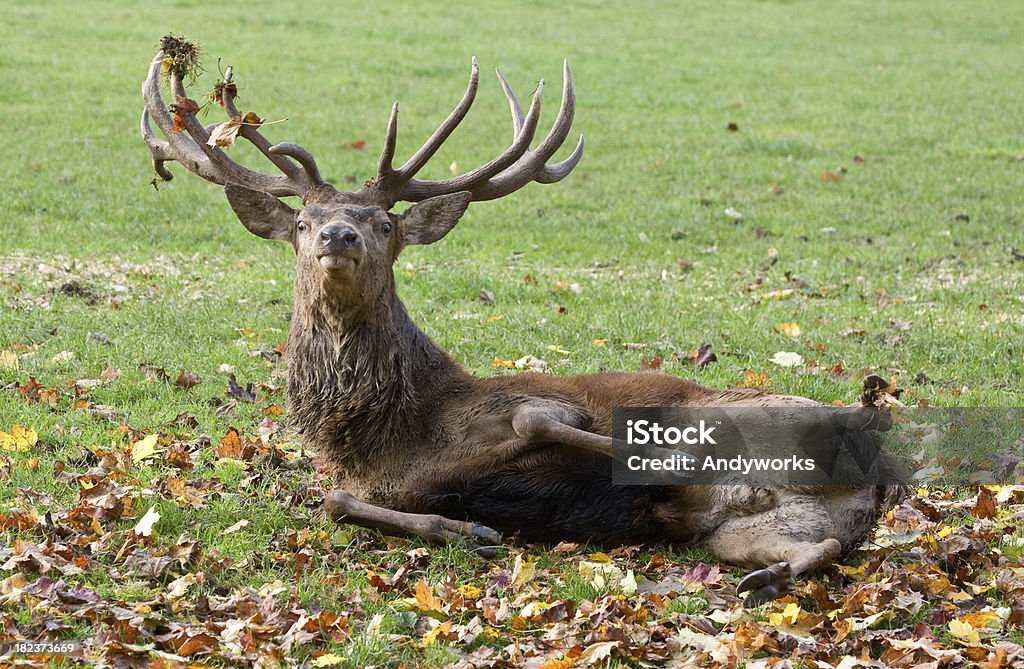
342	236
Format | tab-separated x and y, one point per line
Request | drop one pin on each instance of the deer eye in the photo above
386	228
302	226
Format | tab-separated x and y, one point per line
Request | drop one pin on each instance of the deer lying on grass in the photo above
419	446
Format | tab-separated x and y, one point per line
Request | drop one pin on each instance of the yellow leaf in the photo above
492	319
963	631
788	329
327	660
426	600
144	527
599	342
9	360
523	572
600	557
983	618
558	349
498	362
19	440
560	663
441	630
789	615
470	591
144	448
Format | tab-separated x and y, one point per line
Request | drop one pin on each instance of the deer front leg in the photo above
767	584
343	507
783	542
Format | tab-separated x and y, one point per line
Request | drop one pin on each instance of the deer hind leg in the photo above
783	542
343	507
549	423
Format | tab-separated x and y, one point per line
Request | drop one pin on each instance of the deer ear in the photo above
430	220
261	213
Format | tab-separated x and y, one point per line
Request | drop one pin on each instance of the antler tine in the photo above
300	154
513	102
415	190
387	155
430	147
210	162
513	169
160	149
531	167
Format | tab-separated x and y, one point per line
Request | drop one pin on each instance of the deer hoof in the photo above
485	542
767	584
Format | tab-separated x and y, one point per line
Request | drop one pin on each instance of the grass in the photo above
907	261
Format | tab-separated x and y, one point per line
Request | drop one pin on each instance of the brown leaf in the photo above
225	133
985	507
154	373
359	145
702	356
188	380
236	392
181	108
829	175
273	410
253	119
650	366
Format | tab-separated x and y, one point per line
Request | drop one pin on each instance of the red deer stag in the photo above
419	446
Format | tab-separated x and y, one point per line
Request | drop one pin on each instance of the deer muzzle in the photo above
340	246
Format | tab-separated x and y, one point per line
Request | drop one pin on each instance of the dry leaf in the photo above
787	359
236	527
144	527
19	440
144	448
9	360
788	329
225	133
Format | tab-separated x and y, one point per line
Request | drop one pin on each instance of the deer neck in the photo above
363	380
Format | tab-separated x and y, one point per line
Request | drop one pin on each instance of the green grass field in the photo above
873	151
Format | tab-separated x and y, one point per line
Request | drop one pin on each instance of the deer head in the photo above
346	241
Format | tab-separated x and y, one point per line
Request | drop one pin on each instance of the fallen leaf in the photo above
702	356
787	359
145	448
144	527
598	652
985	506
19	440
188	380
788	329
236	527
9	360
327	659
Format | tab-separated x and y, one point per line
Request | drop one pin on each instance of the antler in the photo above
510	171
194	152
